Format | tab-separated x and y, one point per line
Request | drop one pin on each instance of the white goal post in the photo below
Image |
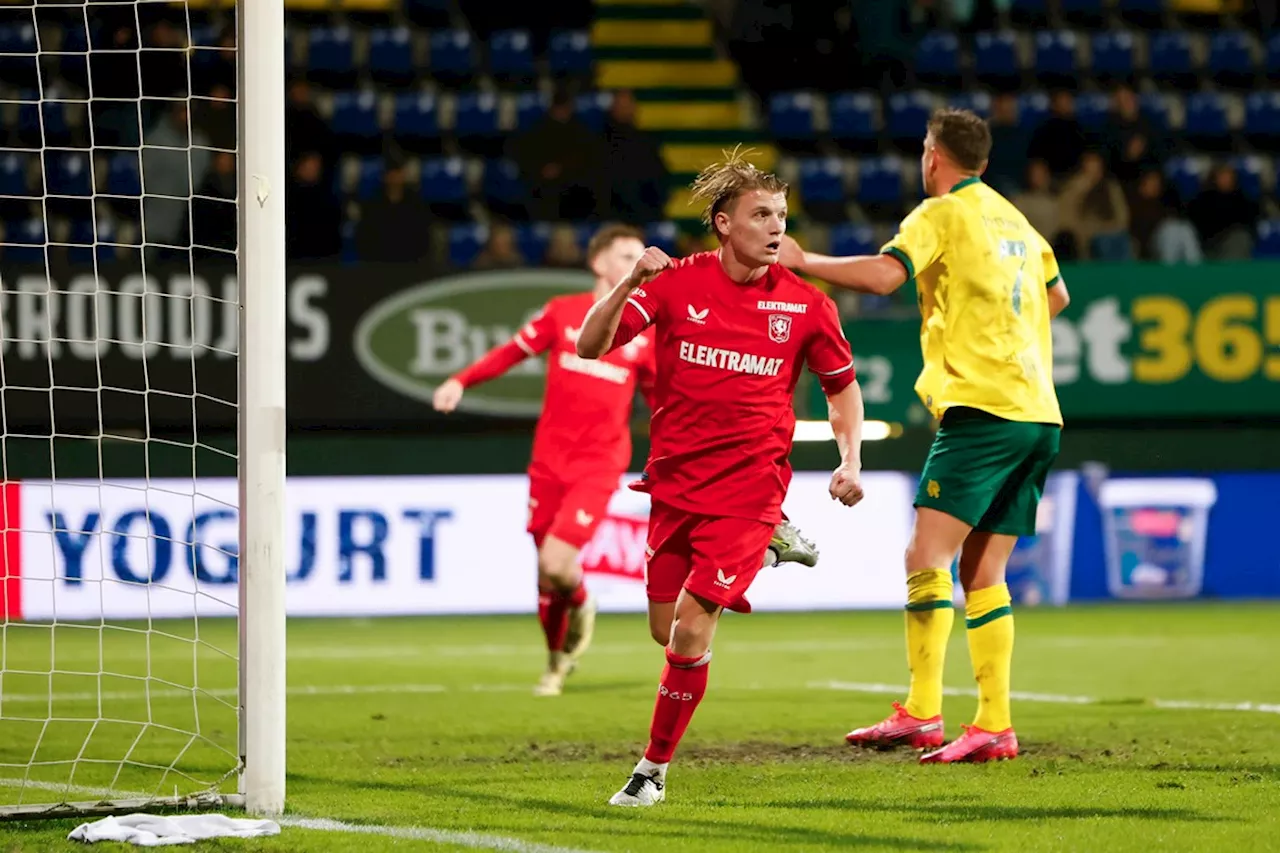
142	598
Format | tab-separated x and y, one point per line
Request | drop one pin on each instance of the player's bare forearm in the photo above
601	323
846	413
1059	298
879	274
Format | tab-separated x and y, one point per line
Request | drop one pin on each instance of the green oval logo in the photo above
415	340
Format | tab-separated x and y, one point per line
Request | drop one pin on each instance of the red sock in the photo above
553	613
578	597
684	683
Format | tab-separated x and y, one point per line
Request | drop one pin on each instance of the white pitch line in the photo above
480	841
1056	698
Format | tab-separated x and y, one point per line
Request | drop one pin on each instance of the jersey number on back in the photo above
1015	249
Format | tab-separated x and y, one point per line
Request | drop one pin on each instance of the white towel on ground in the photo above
148	830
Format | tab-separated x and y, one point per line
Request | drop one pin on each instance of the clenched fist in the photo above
447	396
650	265
846	485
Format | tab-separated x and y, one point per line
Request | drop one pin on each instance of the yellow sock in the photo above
989	619
930	615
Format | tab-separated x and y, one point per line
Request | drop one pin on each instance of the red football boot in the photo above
899	729
975	746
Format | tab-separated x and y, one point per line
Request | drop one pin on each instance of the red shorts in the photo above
571	512
713	557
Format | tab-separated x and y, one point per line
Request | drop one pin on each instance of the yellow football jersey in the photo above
982	274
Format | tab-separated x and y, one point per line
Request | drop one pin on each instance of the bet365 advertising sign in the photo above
1136	342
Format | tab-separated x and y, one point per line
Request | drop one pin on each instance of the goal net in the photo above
141	403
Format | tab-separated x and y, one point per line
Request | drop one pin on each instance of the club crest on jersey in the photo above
779	328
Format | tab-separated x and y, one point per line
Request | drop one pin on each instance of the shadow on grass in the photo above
932	809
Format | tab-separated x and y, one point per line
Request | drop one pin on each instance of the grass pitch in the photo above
1143	727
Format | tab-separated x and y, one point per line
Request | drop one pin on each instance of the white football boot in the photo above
641	790
789	546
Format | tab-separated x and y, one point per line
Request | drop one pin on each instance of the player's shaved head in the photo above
963	135
719	185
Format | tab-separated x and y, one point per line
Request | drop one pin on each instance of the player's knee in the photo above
661	633
691	637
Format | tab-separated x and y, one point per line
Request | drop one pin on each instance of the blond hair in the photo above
719	185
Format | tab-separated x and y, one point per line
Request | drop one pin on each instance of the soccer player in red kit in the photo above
581	447
733	329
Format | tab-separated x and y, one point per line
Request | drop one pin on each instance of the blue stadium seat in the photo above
664	235
444	181
792	115
451	57
1268	245
74	62
123	176
977	102
369	177
391	55
1171	56
880	181
84	235
68	175
1154	107
1033	109
1185	174
46	121
1113	53
1249	169
995	56
853	116
907	116
530	107
25	241
1272	61
331	55
1093	110
1056	55
13	175
476	115
821	180
465	243
1231	58
1262	117
569	53
592	107
938	57
511	54
532	239
503	190
18	55
849	238
417	117
1206	116
355	116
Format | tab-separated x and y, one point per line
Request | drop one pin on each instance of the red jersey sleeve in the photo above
642	309
828	354
534	337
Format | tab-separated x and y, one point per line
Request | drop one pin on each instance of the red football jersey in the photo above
584	431
728	359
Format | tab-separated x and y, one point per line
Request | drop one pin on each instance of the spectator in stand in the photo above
1159	230
500	251
636	169
216	116
213	213
114	72
313	221
170	174
393	226
304	129
163	62
1038	203
1060	140
564	164
1094	212
1010	141
563	251
884	38
1131	145
1224	217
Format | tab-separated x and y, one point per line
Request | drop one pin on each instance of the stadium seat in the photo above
849	238
1185	175
1093	110
391	56
1113	53
664	235
84	235
331	56
123	175
417	121
1262	119
18	51
938	58
1268	245
995	58
1250	173
1272	61
1154	107
822	188
503	190
14	176
1231	59
355	114
476	115
977	102
907	116
1206	123
530	107
854	120
451	59
74	62
465	243
1057	61
68	174
42	123
532	239
1033	109
793	116
25	242
569	53
592	107
444	186
369	177
511	56
1171	58
880	182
